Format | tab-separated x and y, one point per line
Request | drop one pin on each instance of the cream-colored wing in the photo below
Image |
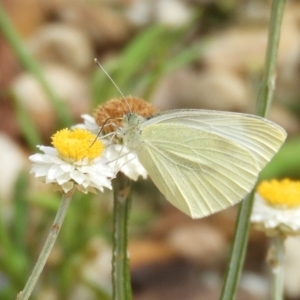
261	137
199	172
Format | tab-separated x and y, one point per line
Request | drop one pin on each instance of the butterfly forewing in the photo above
259	136
203	161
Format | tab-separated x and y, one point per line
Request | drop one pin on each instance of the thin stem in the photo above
240	242
238	250
276	256
59	218
120	261
268	83
12	37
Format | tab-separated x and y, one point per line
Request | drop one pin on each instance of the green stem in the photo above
238	250
268	83
59	218
240	242
120	261
276	256
12	37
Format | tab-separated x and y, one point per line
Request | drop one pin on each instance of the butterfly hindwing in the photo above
199	172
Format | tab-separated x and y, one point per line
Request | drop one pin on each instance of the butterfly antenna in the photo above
118	89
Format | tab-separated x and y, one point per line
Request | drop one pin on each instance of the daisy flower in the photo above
77	161
276	211
112	113
277	207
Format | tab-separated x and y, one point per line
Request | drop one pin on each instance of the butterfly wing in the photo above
203	166
261	137
200	173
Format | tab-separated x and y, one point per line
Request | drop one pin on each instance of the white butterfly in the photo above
202	161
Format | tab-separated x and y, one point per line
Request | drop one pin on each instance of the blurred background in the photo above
175	54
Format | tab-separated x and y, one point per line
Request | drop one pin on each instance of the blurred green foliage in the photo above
155	52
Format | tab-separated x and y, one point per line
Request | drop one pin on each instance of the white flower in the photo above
77	161
125	161
89	123
120	156
276	208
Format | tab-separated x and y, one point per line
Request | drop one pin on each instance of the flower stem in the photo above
238	250
239	246
59	218
268	83
275	259
120	262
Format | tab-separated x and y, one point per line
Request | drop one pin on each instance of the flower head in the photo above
115	109
111	113
277	207
76	161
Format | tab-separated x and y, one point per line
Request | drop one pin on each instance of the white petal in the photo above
40	158
66	167
63	178
39	170
67	186
51	151
89	123
125	161
55	171
78	176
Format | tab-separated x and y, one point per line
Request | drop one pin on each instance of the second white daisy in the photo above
276	208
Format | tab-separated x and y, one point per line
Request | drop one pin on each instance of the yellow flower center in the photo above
75	145
284	193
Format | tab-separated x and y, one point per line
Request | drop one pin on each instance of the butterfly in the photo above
202	161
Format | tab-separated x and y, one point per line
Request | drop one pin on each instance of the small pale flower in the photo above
76	161
125	161
277	207
89	123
